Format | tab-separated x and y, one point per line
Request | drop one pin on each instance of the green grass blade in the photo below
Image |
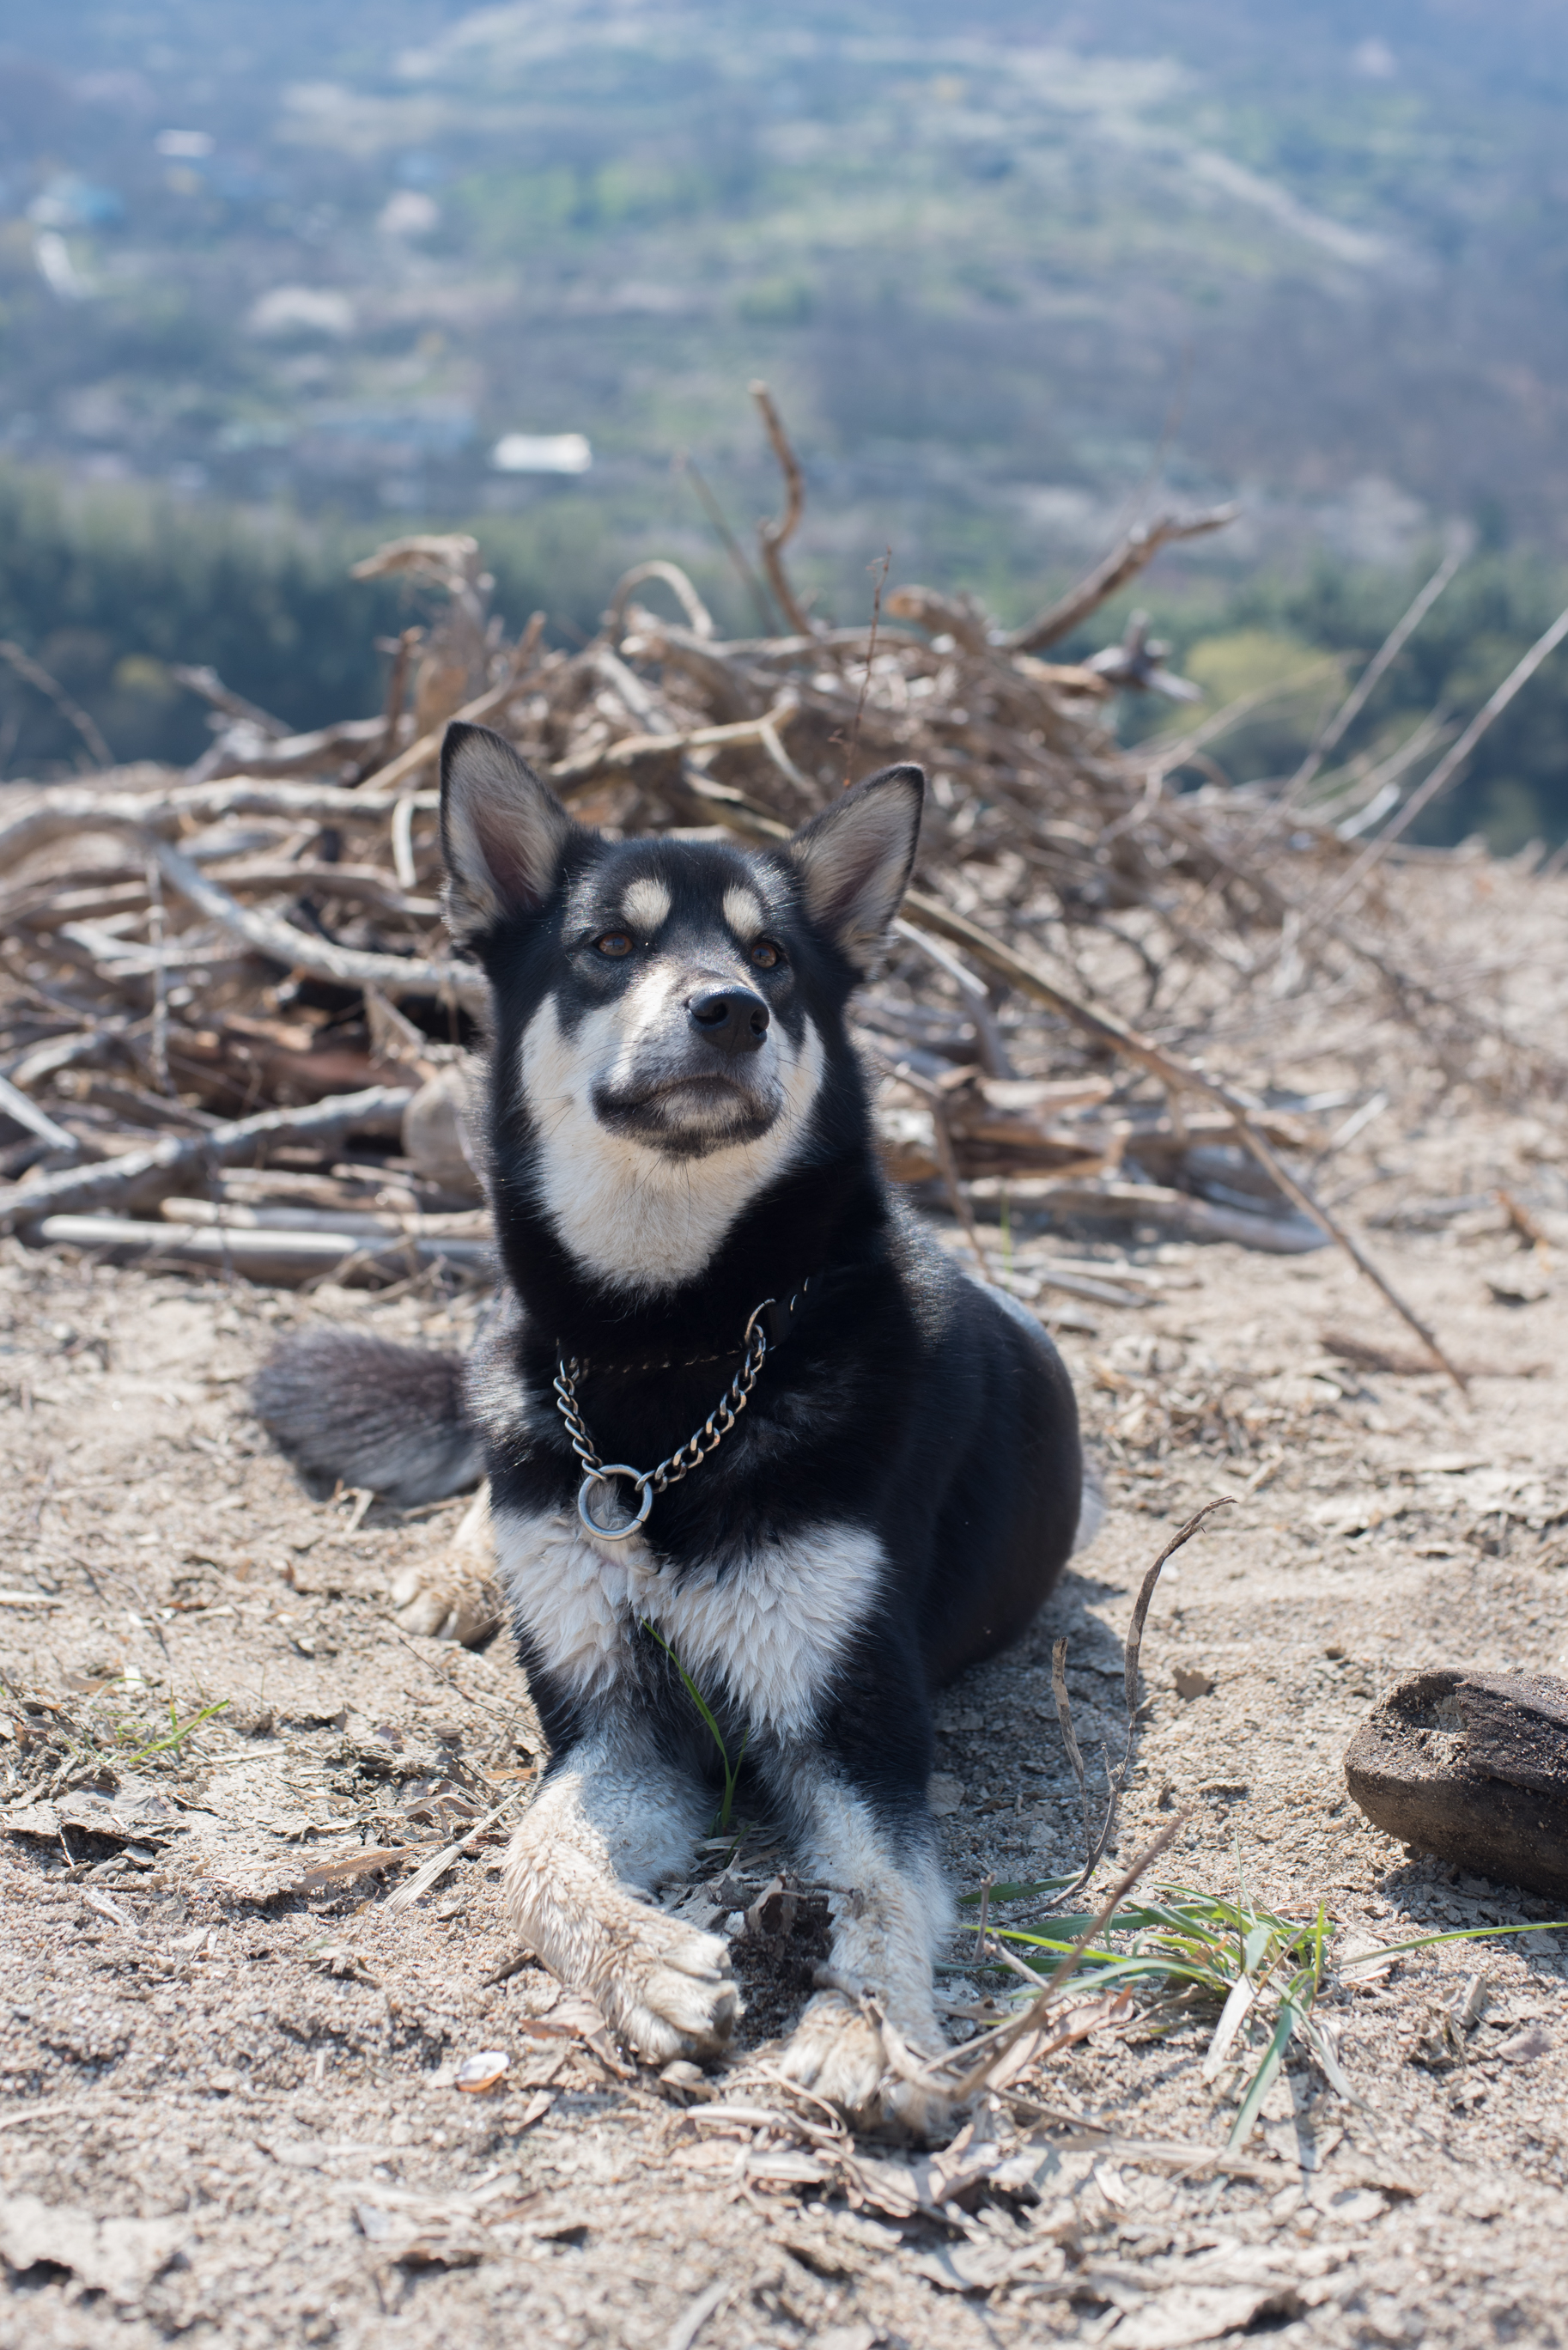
1460	1934
731	1771
1232	2015
179	1731
1292	2014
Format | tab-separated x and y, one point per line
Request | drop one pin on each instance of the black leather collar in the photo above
778	1317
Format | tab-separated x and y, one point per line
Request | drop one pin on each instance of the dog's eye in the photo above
765	955
613	942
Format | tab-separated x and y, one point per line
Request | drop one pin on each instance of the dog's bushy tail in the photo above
342	1405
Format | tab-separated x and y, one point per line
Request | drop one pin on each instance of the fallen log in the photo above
1180	1075
238	1215
140	1177
395	975
65	812
1152	1203
270	1255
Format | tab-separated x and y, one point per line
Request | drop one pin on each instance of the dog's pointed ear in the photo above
856	857
503	832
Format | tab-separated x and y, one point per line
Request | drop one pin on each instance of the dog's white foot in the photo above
837	2050
672	1992
840	2052
455	1596
443	1600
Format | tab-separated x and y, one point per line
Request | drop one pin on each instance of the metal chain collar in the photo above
681	1462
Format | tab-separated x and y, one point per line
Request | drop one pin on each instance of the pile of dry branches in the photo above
232	1025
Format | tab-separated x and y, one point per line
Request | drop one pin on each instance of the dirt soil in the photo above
233	2108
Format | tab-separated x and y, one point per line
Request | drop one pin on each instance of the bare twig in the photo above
159	1040
439	1863
65	811
986	1884
395	975
51	689
15	1105
141	1176
993	1051
296	950
1070	1742
687	467
206	682
1442	775
879	571
1139	547
947	1162
992	2046
675	579
652	754
1184	1075
1165	756
397	690
419	755
773	537
1355	702
1095	1845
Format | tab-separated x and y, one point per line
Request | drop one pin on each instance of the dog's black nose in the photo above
731	1017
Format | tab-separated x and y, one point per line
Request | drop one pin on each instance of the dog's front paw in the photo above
672	1992
441	1601
839	2051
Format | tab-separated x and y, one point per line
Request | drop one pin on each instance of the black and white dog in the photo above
689	1208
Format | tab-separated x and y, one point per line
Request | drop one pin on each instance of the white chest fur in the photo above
771	1629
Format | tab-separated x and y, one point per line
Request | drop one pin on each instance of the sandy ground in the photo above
231	2109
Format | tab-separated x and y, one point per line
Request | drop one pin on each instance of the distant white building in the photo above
542	452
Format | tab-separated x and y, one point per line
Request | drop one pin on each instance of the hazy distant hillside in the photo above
340	252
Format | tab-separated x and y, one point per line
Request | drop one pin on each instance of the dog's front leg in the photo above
890	1908
614	1814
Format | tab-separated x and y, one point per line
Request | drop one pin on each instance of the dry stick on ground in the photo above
1095	1848
1184	1076
52	690
1140	545
62	814
656	751
397	688
679	586
162	1168
439	1862
1069	1736
473	713
773	537
396	975
15	1105
947	1159
1356	700
1442	775
202	680
1166	756
993	1057
993	2045
879	571
687	467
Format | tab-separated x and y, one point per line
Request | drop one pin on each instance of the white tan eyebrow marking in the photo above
742	912
647	903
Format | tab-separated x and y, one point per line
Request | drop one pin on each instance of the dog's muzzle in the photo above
731	1019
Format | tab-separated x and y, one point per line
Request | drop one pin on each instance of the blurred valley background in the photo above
278	283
